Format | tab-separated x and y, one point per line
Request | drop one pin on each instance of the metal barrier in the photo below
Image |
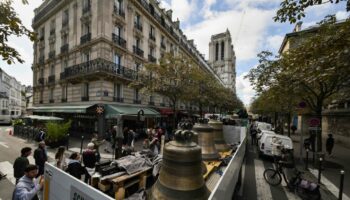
226	185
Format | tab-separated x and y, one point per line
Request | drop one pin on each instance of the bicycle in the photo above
273	176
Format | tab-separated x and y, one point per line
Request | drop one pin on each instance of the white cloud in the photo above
183	9
342	15
244	90
274	42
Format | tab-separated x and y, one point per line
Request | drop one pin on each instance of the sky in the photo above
249	22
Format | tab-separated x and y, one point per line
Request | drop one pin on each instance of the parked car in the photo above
261	133
265	143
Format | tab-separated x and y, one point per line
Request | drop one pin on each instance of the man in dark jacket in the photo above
21	163
75	169
40	156
330	144
89	156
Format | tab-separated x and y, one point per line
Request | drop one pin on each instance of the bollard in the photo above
341	184
67	141
307	159
319	170
81	145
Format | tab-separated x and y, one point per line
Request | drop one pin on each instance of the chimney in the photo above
169	13
177	23
297	27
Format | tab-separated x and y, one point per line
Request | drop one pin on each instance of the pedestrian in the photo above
75	169
253	134
27	189
21	163
125	135
89	156
330	145
118	141
61	158
97	143
276	148
40	156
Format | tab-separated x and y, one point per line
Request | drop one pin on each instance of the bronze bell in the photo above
206	140
180	176
219	141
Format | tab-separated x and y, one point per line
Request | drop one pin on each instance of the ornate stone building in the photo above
222	58
90	50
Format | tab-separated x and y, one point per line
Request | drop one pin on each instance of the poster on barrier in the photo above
60	185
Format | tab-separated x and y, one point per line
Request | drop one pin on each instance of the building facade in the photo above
89	51
222	58
11	101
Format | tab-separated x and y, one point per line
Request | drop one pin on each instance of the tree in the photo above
11	25
293	10
170	78
317	69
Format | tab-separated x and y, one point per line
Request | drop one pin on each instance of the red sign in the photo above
314	122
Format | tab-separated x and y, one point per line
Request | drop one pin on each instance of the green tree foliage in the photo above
293	10
57	131
11	25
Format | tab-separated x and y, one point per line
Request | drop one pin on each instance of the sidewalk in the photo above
332	165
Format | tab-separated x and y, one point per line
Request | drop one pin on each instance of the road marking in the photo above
4	144
329	185
7	168
262	187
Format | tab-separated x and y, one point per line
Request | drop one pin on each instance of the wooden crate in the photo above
121	183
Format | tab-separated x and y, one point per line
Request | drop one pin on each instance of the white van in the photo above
261	133
265	143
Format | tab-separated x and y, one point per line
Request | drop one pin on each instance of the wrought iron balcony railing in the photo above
52	101
119	11
52	54
85	38
138	26
136	101
152	37
162	45
51	79
118	40
138	51
97	65
118	99
86	9
152	59
64	100
65	48
41	81
65	22
41	60
84	98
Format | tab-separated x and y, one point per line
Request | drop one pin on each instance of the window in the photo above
217	51
52	70
64	91
118	4
162	40
65	17
138	42
85	57
42	73
151	51
64	65
152	33
118	30
51	94
41	96
118	59
52	27
118	90
151	98
222	50
86	4
42	33
137	19
85	90
65	39
86	28
136	94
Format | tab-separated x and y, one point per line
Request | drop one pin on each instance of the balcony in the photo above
152	59
162	45
118	99
41	60
138	51
86	9
52	101
138	26
85	38
41	102
65	23
64	48
151	103
95	69
118	40
84	98
51	79
52	54
136	101
64	100
119	11
41	81
152	37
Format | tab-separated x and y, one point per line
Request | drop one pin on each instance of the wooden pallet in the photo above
121	183
213	165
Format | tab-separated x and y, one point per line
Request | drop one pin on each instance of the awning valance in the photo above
61	109
113	111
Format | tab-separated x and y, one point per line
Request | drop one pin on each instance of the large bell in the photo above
206	141
180	176
219	141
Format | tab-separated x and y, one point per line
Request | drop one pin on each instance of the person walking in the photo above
89	156
97	143
330	145
27	189
61	158
75	169
21	163
40	157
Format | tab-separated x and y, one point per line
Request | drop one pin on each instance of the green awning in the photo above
113	111
61	109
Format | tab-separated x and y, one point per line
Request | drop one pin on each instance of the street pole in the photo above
341	185
81	145
301	141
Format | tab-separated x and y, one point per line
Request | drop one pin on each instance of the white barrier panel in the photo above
232	134
225	187
60	185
